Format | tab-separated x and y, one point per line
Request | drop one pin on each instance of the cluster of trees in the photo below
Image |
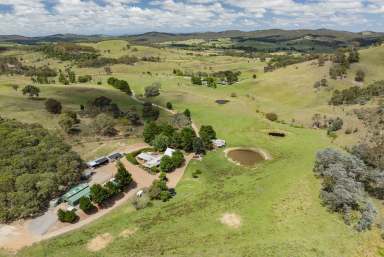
150	112
31	91
321	83
357	95
100	194
126	59
84	78
281	61
41	75
121	85
168	164
101	104
69	51
53	106
67	216
164	135
67	121
323	122
159	189
346	181
67	76
210	80
152	90
341	62
35	166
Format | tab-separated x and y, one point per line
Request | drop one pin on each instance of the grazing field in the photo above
272	210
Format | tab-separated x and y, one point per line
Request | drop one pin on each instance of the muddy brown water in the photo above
245	157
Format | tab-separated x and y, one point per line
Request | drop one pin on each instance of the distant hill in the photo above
305	40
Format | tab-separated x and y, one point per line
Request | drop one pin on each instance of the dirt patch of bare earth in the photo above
232	220
99	242
128	232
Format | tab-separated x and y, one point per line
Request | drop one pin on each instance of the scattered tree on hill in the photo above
53	106
31	91
150	112
103	125
360	76
187	113
68	120
84	79
353	56
122	85
152	90
169	106
271	116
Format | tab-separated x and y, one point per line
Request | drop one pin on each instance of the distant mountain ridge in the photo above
271	40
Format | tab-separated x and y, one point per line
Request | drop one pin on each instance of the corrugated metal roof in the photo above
75	190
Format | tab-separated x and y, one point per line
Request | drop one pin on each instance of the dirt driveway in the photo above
20	234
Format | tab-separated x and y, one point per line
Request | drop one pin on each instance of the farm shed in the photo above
98	162
72	197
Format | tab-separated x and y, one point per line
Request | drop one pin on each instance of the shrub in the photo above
67	216
131	159
360	76
150	112
152	90
31	91
84	79
271	116
142	202
335	125
169	106
156	188
166	164
98	194
86	204
123	177
53	106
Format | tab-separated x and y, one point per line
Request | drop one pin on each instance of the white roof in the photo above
145	156
169	152
153	163
218	142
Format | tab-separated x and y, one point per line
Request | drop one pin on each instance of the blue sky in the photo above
43	17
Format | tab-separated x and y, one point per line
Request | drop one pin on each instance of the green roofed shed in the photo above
72	197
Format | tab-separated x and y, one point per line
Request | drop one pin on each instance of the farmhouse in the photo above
98	162
150	159
72	197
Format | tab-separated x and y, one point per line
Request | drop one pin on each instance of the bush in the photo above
360	76
166	164
152	90
84	79
150	112
169	106
53	106
123	177
334	125
271	116
131	159
98	194
86	204
142	202
67	216
122	85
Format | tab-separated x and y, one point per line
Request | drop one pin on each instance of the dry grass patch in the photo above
128	232
99	242
231	220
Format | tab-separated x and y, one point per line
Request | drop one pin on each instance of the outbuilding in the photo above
115	157
218	143
98	162
72	197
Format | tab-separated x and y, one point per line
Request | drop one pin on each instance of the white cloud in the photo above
31	17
